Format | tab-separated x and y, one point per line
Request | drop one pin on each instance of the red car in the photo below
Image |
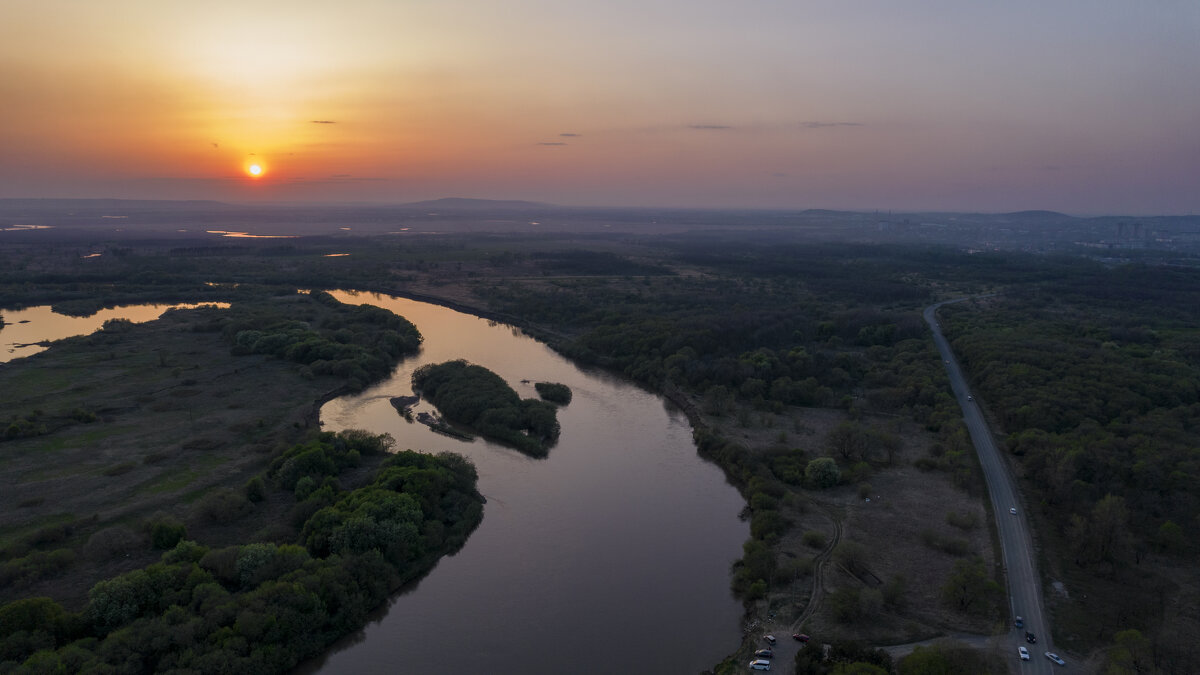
800	637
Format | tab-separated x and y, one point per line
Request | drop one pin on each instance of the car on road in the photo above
770	639
1013	510
1019	622
1054	657
970	397
1030	638
1024	653
764	653
799	637
760	664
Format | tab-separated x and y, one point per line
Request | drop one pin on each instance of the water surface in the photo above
25	329
610	556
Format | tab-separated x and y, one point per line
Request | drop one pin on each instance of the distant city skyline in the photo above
1084	107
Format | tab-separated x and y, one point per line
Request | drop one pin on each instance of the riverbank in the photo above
137	422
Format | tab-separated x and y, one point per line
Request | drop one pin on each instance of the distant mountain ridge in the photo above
467	204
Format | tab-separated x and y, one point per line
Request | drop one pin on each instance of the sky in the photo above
1081	106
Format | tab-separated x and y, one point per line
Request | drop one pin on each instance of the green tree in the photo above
969	588
1132	653
822	472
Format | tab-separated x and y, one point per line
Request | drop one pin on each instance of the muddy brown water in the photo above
610	556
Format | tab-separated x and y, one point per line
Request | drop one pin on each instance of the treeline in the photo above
759	339
476	397
360	343
262	607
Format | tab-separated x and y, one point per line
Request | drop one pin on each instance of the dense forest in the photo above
262	607
361	344
1096	380
476	397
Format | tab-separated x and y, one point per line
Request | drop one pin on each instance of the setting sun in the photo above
254	170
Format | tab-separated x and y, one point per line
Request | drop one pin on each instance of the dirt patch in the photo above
911	525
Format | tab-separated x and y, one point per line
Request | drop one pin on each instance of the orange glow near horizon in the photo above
254	170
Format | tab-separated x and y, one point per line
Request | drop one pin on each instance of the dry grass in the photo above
177	417
907	508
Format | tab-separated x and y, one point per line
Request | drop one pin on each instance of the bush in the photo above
864	490
822	472
846	604
255	489
36	566
111	542
165	531
894	592
967	520
223	506
814	539
554	392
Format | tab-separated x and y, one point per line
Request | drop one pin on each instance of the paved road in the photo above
1024	584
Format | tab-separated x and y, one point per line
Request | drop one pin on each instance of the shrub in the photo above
165	531
554	392
36	566
814	538
255	490
968	520
846	604
822	472
223	506
111	542
864	490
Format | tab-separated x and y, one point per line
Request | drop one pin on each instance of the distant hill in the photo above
464	204
1031	215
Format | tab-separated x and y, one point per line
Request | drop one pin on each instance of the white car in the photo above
760	664
1013	510
1024	653
1054	657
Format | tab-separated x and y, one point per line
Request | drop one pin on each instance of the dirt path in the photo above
823	560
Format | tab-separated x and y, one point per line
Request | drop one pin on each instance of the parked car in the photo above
770	639
760	664
1019	622
1054	657
1030	638
764	653
799	637
1024	653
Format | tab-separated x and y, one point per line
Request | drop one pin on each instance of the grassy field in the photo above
136	422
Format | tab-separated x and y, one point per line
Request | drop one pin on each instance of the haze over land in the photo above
1077	106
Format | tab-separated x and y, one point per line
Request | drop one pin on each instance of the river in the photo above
610	556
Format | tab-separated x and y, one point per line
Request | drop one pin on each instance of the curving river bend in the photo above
610	556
